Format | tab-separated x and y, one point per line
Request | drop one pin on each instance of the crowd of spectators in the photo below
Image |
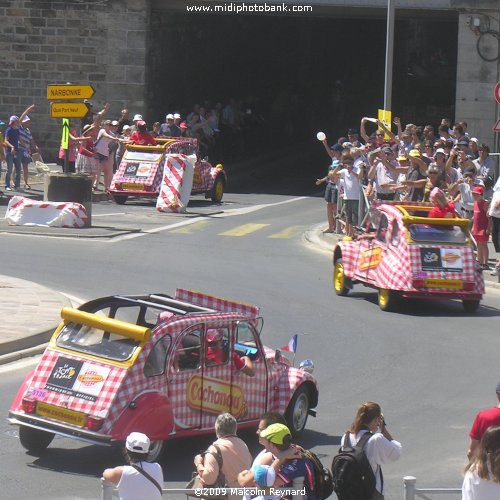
448	167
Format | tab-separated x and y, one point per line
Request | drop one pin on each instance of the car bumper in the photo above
425	294
127	192
59	428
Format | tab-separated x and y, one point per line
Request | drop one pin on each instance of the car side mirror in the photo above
277	356
307	365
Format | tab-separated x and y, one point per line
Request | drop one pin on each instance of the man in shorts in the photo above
351	178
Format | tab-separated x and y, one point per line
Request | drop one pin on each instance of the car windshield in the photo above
437	234
142	156
90	340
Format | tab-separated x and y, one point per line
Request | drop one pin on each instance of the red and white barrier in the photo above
176	183
25	212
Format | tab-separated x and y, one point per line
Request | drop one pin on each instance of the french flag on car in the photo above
291	346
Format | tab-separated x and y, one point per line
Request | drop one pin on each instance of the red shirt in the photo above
484	419
217	356
143	139
447	211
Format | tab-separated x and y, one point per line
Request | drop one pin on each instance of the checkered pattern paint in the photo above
217	303
151	182
99	408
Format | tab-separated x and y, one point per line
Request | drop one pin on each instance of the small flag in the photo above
292	345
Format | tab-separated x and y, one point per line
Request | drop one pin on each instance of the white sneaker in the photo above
8	189
496	271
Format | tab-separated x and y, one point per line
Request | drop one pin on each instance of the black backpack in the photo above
323	484
353	477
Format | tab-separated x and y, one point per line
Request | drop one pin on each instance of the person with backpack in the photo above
365	447
294	472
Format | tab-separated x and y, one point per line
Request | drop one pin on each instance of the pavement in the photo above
31	312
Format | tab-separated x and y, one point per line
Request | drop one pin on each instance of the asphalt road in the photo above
429	365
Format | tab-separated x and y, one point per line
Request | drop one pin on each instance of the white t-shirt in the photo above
379	450
101	145
476	488
351	184
133	485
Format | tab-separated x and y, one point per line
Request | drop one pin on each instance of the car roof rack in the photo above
167	303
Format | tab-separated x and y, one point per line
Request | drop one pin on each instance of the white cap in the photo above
440	150
137	118
170	116
137	442
13	119
126	127
474	139
177	116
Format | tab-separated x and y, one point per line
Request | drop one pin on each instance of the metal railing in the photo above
411	491
109	491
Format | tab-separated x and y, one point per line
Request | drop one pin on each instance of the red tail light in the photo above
29	405
469	286
94	423
418	283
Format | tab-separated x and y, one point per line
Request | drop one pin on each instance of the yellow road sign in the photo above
68	109
69	91
385	116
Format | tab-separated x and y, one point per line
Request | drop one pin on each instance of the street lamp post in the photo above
389	52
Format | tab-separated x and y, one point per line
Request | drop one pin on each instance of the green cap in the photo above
275	433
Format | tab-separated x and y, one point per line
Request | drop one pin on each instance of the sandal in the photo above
328	231
27	186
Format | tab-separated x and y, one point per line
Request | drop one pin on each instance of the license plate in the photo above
443	283
129	186
62	414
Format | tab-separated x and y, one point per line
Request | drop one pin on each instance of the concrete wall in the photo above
102	42
477	78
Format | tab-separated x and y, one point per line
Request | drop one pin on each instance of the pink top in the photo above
480	220
73	147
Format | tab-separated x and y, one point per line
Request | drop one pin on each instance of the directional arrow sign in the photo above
68	109
68	91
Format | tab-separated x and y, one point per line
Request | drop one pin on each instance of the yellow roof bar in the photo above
409	219
160	148
129	330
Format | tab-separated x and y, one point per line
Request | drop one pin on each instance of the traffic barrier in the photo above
26	212
176	183
411	491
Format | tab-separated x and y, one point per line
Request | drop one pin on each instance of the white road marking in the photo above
75	301
105	215
20	364
229	213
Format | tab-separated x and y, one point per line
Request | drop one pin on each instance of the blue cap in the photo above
264	475
336	147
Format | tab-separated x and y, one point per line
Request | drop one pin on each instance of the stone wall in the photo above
476	78
101	42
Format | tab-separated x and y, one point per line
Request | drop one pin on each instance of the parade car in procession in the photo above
403	253
141	169
141	363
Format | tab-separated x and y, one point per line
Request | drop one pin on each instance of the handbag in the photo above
196	483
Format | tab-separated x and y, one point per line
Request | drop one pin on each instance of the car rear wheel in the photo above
121	200
340	281
218	189
470	306
298	411
156	450
34	440
386	299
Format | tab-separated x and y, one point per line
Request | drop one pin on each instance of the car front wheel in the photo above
470	306
298	411
121	200
34	440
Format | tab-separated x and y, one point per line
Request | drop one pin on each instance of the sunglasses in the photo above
433	173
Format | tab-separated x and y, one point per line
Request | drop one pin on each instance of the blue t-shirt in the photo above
297	474
12	135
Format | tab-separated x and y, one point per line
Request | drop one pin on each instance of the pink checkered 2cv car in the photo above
404	253
145	363
141	170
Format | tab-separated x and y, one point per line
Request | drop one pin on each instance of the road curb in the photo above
23	354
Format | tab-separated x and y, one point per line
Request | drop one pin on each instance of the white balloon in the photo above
321	136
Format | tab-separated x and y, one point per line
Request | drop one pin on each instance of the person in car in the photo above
217	353
442	209
142	137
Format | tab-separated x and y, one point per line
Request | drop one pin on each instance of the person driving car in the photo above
217	352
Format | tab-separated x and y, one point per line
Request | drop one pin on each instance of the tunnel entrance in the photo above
292	76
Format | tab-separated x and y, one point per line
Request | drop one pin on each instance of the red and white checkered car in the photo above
404	253
143	168
165	366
